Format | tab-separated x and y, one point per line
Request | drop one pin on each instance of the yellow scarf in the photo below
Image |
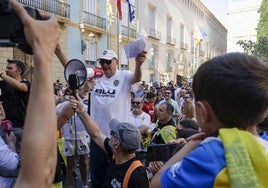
247	162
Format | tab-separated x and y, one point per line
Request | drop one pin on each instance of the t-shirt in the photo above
110	99
149	108
15	102
73	125
142	119
116	173
207	164
8	160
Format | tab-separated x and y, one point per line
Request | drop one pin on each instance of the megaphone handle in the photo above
74	93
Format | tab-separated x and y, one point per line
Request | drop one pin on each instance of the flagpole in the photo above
193	59
118	39
128	32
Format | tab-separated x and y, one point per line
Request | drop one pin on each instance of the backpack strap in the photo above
135	164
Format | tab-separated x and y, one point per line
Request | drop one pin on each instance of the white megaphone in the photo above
77	68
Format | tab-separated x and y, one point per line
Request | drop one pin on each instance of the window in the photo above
90	6
90	53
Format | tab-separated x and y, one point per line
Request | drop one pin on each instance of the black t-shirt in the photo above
116	173
15	102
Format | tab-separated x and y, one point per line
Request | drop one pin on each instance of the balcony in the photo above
53	6
171	40
154	34
132	32
183	45
93	22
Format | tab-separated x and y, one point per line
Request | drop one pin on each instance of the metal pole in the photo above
118	43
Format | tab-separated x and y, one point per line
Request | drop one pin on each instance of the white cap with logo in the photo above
108	55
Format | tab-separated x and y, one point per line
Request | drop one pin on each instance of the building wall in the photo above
172	53
243	19
189	15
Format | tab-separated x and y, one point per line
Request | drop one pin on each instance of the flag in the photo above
131	9
119	9
109	8
199	34
203	33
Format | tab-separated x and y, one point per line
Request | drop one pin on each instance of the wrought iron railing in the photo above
53	6
93	20
132	32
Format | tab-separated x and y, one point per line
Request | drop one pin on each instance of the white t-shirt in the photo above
68	130
110	99
142	119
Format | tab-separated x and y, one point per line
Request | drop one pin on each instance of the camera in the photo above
11	30
162	152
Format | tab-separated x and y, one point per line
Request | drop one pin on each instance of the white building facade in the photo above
171	28
180	35
243	18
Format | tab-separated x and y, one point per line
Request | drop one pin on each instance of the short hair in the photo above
169	106
235	86
21	66
151	95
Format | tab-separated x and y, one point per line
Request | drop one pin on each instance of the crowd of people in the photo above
214	129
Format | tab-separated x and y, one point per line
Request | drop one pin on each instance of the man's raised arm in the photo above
38	152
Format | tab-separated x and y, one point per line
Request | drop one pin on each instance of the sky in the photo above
218	8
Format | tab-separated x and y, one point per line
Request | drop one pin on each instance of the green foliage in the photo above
248	46
259	48
262	48
263	23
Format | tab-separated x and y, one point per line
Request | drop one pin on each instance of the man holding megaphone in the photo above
109	99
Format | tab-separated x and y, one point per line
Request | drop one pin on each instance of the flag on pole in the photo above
199	34
119	9
203	33
109	8
131	9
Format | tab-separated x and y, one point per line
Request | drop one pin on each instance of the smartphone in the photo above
7	126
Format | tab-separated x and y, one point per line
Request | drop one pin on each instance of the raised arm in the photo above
39	136
139	61
61	56
14	83
91	126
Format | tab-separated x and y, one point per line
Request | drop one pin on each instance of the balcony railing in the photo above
132	32
53	6
93	20
154	34
171	40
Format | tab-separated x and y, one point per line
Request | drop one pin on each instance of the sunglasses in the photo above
135	103
103	61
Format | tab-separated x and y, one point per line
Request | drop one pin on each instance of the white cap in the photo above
108	55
